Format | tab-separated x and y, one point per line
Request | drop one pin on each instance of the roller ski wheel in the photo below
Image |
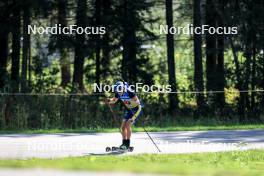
130	149
114	148
107	149
127	149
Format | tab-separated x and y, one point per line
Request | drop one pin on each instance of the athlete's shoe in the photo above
127	143
123	147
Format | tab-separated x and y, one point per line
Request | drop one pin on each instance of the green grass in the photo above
139	129
242	163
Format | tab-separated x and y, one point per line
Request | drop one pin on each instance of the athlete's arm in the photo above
111	100
134	99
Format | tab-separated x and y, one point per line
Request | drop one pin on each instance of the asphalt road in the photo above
21	146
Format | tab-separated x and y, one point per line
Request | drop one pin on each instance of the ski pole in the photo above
113	115
112	111
151	139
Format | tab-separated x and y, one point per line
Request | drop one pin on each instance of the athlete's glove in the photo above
131	120
107	100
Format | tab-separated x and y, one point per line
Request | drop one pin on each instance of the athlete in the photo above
132	110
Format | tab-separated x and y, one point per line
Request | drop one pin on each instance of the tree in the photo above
98	11
129	40
16	23
220	77
26	44
4	30
80	46
134	34
107	14
210	47
62	44
246	16
173	98
198	62
262	46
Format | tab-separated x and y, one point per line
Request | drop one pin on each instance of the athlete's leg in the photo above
123	132
128	133
134	115
127	115
128	129
123	129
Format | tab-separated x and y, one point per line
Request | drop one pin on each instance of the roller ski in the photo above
125	147
118	149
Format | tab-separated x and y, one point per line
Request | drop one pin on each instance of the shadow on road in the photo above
55	135
105	154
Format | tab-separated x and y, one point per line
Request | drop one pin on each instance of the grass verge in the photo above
249	163
139	129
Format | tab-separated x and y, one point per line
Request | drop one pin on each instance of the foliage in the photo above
48	64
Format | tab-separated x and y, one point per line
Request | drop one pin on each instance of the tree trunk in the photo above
243	102
248	62
249	33
26	48
262	36
80	46
15	49
220	98
29	65
239	84
129	42
253	48
105	55
3	54
211	52
98	40
253	77
198	62
106	21
64	57
173	98
220	75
